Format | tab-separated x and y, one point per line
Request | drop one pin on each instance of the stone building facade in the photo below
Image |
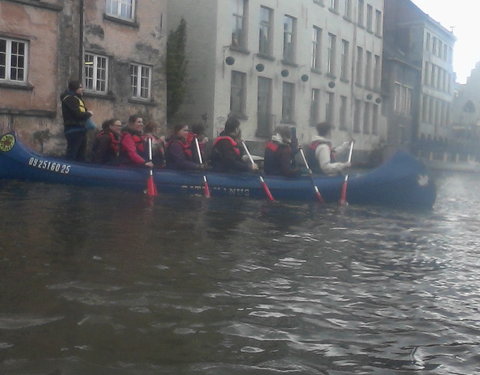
465	132
283	62
418	79
116	47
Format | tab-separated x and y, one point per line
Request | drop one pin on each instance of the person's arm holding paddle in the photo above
323	155
130	148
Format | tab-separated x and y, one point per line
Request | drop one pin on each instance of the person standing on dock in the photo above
75	118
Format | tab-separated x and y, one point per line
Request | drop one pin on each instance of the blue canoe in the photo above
402	181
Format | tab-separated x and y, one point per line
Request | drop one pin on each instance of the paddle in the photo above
315	188
262	181
343	192
151	188
206	189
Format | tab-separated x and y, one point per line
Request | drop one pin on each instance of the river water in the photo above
98	281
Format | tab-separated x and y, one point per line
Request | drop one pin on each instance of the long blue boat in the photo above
402	181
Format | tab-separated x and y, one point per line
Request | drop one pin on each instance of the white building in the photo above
285	62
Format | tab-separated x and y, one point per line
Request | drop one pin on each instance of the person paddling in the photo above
278	154
321	155
179	152
132	147
226	155
106	146
158	143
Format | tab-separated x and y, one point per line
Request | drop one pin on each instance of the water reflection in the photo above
104	282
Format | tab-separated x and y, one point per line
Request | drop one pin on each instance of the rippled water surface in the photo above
95	281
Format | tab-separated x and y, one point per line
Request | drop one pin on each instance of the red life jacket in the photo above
139	144
272	146
114	141
186	146
312	160
232	142
315	144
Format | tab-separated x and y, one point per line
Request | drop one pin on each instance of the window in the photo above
378	23
427	42
361	11
332	41
369	18
13	60
316	48
237	93
443	112
315	107
345	58
289	24
433	75
402	101
368	70
239	23
264	104
366	118
288	102
265	32
377	75
330	109
359	67
424	108
357	116
140	81
431	110
375	119
334	5
96	73
343	113
348	9
121	8
426	73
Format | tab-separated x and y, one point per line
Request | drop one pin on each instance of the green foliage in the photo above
176	69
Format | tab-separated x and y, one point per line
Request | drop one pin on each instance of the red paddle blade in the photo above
151	188
319	197
343	195
267	191
317	193
206	190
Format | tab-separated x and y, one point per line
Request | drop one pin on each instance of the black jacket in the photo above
74	111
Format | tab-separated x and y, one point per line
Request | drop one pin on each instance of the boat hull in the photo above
402	181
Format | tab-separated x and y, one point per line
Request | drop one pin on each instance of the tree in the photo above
176	68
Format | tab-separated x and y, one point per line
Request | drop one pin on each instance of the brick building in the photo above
117	48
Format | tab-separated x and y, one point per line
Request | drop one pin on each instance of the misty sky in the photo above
463	17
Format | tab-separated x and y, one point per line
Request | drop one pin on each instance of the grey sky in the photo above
462	17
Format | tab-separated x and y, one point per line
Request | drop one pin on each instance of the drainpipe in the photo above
81	39
354	67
